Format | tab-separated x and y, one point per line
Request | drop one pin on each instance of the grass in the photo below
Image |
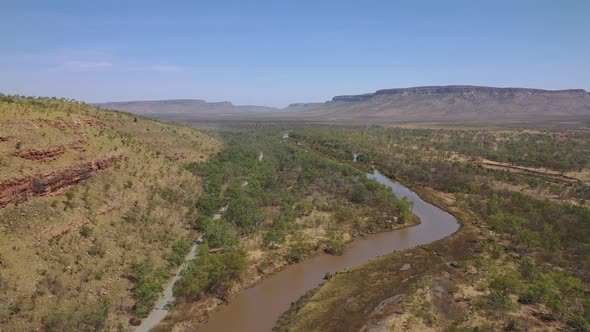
133	211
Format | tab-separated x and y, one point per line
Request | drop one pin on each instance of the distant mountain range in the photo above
454	103
182	107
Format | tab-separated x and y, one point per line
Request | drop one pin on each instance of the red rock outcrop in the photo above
48	154
19	190
41	155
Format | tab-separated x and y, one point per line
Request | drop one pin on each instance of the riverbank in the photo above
531	229
192	315
316	232
370	295
257	308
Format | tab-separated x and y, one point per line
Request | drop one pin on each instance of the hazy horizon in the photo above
272	54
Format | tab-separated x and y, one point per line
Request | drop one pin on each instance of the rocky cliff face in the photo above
41	155
457	90
48	154
19	190
455	103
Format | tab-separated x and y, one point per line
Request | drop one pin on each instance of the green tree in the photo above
245	213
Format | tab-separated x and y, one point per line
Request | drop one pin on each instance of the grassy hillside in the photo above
85	196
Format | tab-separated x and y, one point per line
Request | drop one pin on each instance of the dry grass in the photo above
134	210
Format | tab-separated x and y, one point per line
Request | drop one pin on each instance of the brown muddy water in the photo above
257	308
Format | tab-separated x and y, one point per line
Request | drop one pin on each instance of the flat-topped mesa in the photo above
453	89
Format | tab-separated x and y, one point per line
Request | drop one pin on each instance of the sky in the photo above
280	52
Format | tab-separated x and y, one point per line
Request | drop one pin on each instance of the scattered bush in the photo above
86	231
147	285
210	273
180	249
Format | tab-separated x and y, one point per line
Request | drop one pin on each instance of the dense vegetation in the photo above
210	273
261	187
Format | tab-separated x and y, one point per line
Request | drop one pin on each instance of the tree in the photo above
221	234
210	273
244	212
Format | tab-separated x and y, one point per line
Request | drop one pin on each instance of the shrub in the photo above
335	246
97	249
297	249
273	238
147	285
78	318
86	231
244	212
209	205
221	234
210	273
506	284
359	194
180	249
498	300
201	223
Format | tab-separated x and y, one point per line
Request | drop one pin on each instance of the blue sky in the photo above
280	52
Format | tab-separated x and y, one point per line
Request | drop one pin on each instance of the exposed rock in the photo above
19	190
453	264
4	138
453	89
48	154
449	104
41	155
394	300
352	298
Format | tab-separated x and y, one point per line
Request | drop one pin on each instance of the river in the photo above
257	308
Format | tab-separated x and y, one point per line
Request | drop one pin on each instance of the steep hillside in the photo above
183	108
451	103
86	198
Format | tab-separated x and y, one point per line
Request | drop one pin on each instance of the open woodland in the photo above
99	208
519	263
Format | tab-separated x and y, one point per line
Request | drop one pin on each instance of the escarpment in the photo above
20	190
41	155
459	90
